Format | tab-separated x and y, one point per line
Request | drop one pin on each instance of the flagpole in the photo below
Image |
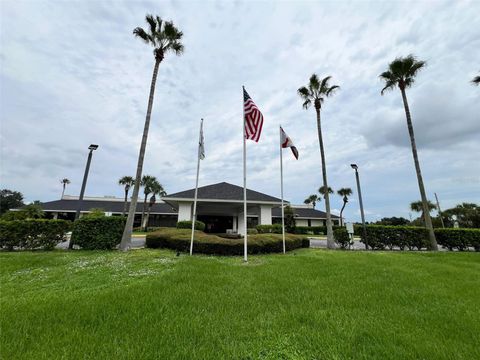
281	188
194	218
245	257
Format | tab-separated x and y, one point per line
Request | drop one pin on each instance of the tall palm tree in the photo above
476	80
315	92
156	189
401	73
417	206
345	193
149	183
312	199
164	37
64	182
321	190
127	182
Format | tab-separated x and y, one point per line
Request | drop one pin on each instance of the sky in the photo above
72	74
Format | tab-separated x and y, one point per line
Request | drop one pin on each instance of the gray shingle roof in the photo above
304	213
108	206
223	191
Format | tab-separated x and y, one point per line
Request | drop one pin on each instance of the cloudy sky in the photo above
72	74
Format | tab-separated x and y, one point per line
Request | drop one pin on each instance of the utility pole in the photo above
439	211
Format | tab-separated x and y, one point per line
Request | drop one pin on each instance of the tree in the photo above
322	191
127	182
10	199
315	92
393	221
345	193
156	189
312	199
417	206
165	38
401	73
149	183
64	183
289	219
468	215
476	80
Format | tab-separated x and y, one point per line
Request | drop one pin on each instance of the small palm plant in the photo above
401	73
127	182
164	37
156	189
344	193
312	199
315	93
64	183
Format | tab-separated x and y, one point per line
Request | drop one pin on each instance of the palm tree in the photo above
321	190
315	92
476	80
312	199
64	182
165	38
417	206
127	182
345	193
149	183
401	73
156	189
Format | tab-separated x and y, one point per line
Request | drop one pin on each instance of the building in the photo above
219	206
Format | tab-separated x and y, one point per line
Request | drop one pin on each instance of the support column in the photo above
185	211
265	215
240	224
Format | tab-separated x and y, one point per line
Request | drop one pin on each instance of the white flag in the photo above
201	145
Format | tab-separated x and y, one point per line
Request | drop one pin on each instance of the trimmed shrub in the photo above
101	232
252	231
187	224
342	238
179	239
265	229
33	233
313	230
460	239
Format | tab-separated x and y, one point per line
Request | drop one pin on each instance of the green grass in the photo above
311	304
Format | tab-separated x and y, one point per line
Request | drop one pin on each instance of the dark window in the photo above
309	222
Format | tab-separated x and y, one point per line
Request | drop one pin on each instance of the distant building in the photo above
219	206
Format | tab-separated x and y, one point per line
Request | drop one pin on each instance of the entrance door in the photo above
216	224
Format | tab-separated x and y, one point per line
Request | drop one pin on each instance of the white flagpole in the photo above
245	257
194	218
281	189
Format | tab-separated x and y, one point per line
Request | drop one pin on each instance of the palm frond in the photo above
152	23
476	80
331	90
389	85
176	47
142	34
314	84
324	84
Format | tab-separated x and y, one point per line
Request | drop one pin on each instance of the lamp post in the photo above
355	167
92	147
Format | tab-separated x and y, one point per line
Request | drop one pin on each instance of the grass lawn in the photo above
310	304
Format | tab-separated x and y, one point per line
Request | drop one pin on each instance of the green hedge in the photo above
314	230
459	239
187	224
33	234
265	229
341	237
93	233
179	239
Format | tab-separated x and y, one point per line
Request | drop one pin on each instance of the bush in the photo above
342	237
265	229
179	239
379	237
33	234
252	231
101	232
315	230
460	239
187	224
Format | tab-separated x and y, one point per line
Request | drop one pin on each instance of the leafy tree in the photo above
393	221
10	199
95	212
345	193
289	219
315	92
156	189
164	37
64	183
468	215
401	73
312	199
33	211
476	80
127	182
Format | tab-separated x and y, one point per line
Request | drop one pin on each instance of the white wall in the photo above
317	222
265	217
184	211
301	222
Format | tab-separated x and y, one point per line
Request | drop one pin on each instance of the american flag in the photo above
253	118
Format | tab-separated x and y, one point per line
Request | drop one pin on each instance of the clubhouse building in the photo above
219	206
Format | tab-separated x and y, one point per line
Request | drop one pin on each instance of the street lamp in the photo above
355	167
92	147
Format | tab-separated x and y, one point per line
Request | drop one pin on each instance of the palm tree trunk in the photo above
330	241
125	203
127	232
143	210
426	212
341	212
147	218
63	191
